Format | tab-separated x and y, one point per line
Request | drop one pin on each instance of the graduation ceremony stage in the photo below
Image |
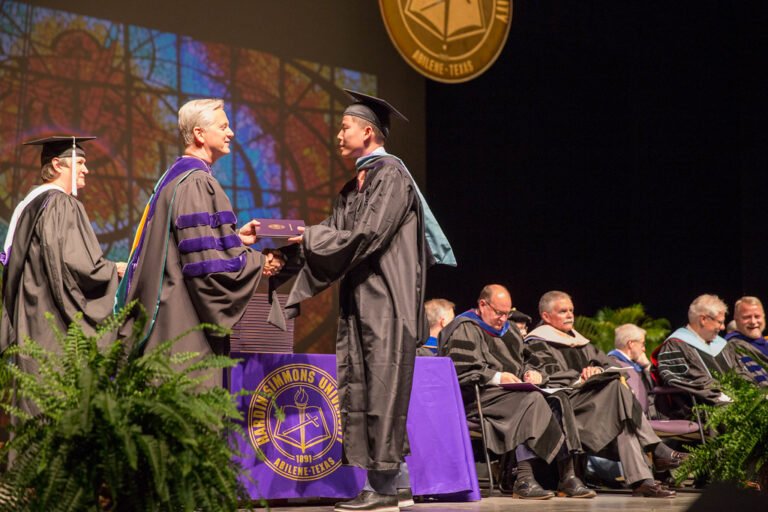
603	502
291	414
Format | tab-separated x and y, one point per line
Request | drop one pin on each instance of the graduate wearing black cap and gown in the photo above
376	243
52	261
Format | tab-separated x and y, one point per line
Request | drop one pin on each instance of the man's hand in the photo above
589	371
297	239
249	233
509	378
643	360
273	262
121	266
532	377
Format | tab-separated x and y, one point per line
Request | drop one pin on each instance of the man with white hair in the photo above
188	264
690	355
747	337
629	340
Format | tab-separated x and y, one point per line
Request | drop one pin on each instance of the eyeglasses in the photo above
637	341
718	322
496	312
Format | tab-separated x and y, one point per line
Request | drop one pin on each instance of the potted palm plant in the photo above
600	328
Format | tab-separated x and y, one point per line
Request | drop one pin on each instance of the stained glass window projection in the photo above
64	73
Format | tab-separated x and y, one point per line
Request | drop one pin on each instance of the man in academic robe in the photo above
188	263
488	351
439	314
629	352
378	241
747	340
690	355
606	411
52	261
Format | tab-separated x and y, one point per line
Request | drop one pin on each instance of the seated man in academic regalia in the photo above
488	350
521	320
439	314
607	414
52	260
747	339
629	340
690	355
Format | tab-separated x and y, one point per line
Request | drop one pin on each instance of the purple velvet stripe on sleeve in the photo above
205	267
191	220
204	243
5	257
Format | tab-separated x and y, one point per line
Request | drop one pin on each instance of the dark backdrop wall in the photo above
616	150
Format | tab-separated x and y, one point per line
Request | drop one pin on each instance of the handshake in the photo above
290	231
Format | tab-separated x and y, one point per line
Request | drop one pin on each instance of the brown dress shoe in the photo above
655	490
573	487
529	489
671	462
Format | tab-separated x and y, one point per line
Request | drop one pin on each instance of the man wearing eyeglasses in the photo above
629	341
689	355
487	350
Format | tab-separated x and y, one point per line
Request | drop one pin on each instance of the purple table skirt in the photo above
302	446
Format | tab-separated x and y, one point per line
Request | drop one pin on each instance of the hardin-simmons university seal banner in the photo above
294	427
292	442
448	40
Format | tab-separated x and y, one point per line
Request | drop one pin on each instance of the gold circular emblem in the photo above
448	40
294	422
276	226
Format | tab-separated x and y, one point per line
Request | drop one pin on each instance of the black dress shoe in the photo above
405	498
573	487
671	462
529	489
369	501
655	490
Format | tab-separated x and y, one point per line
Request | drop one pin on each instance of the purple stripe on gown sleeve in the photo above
209	242
205	267
191	220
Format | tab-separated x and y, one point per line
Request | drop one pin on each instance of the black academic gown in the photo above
192	268
751	358
603	405
374	243
56	266
680	365
516	417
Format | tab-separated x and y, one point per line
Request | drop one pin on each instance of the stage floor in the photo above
603	502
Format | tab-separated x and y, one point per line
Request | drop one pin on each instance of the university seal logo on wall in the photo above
304	442
448	40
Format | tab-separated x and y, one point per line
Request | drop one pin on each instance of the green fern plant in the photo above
114	429
739	453
600	328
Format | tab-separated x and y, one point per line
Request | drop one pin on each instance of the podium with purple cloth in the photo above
292	444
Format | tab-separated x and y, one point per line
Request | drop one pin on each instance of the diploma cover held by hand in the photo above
279	229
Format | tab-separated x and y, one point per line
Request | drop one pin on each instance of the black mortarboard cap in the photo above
376	111
519	317
58	146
